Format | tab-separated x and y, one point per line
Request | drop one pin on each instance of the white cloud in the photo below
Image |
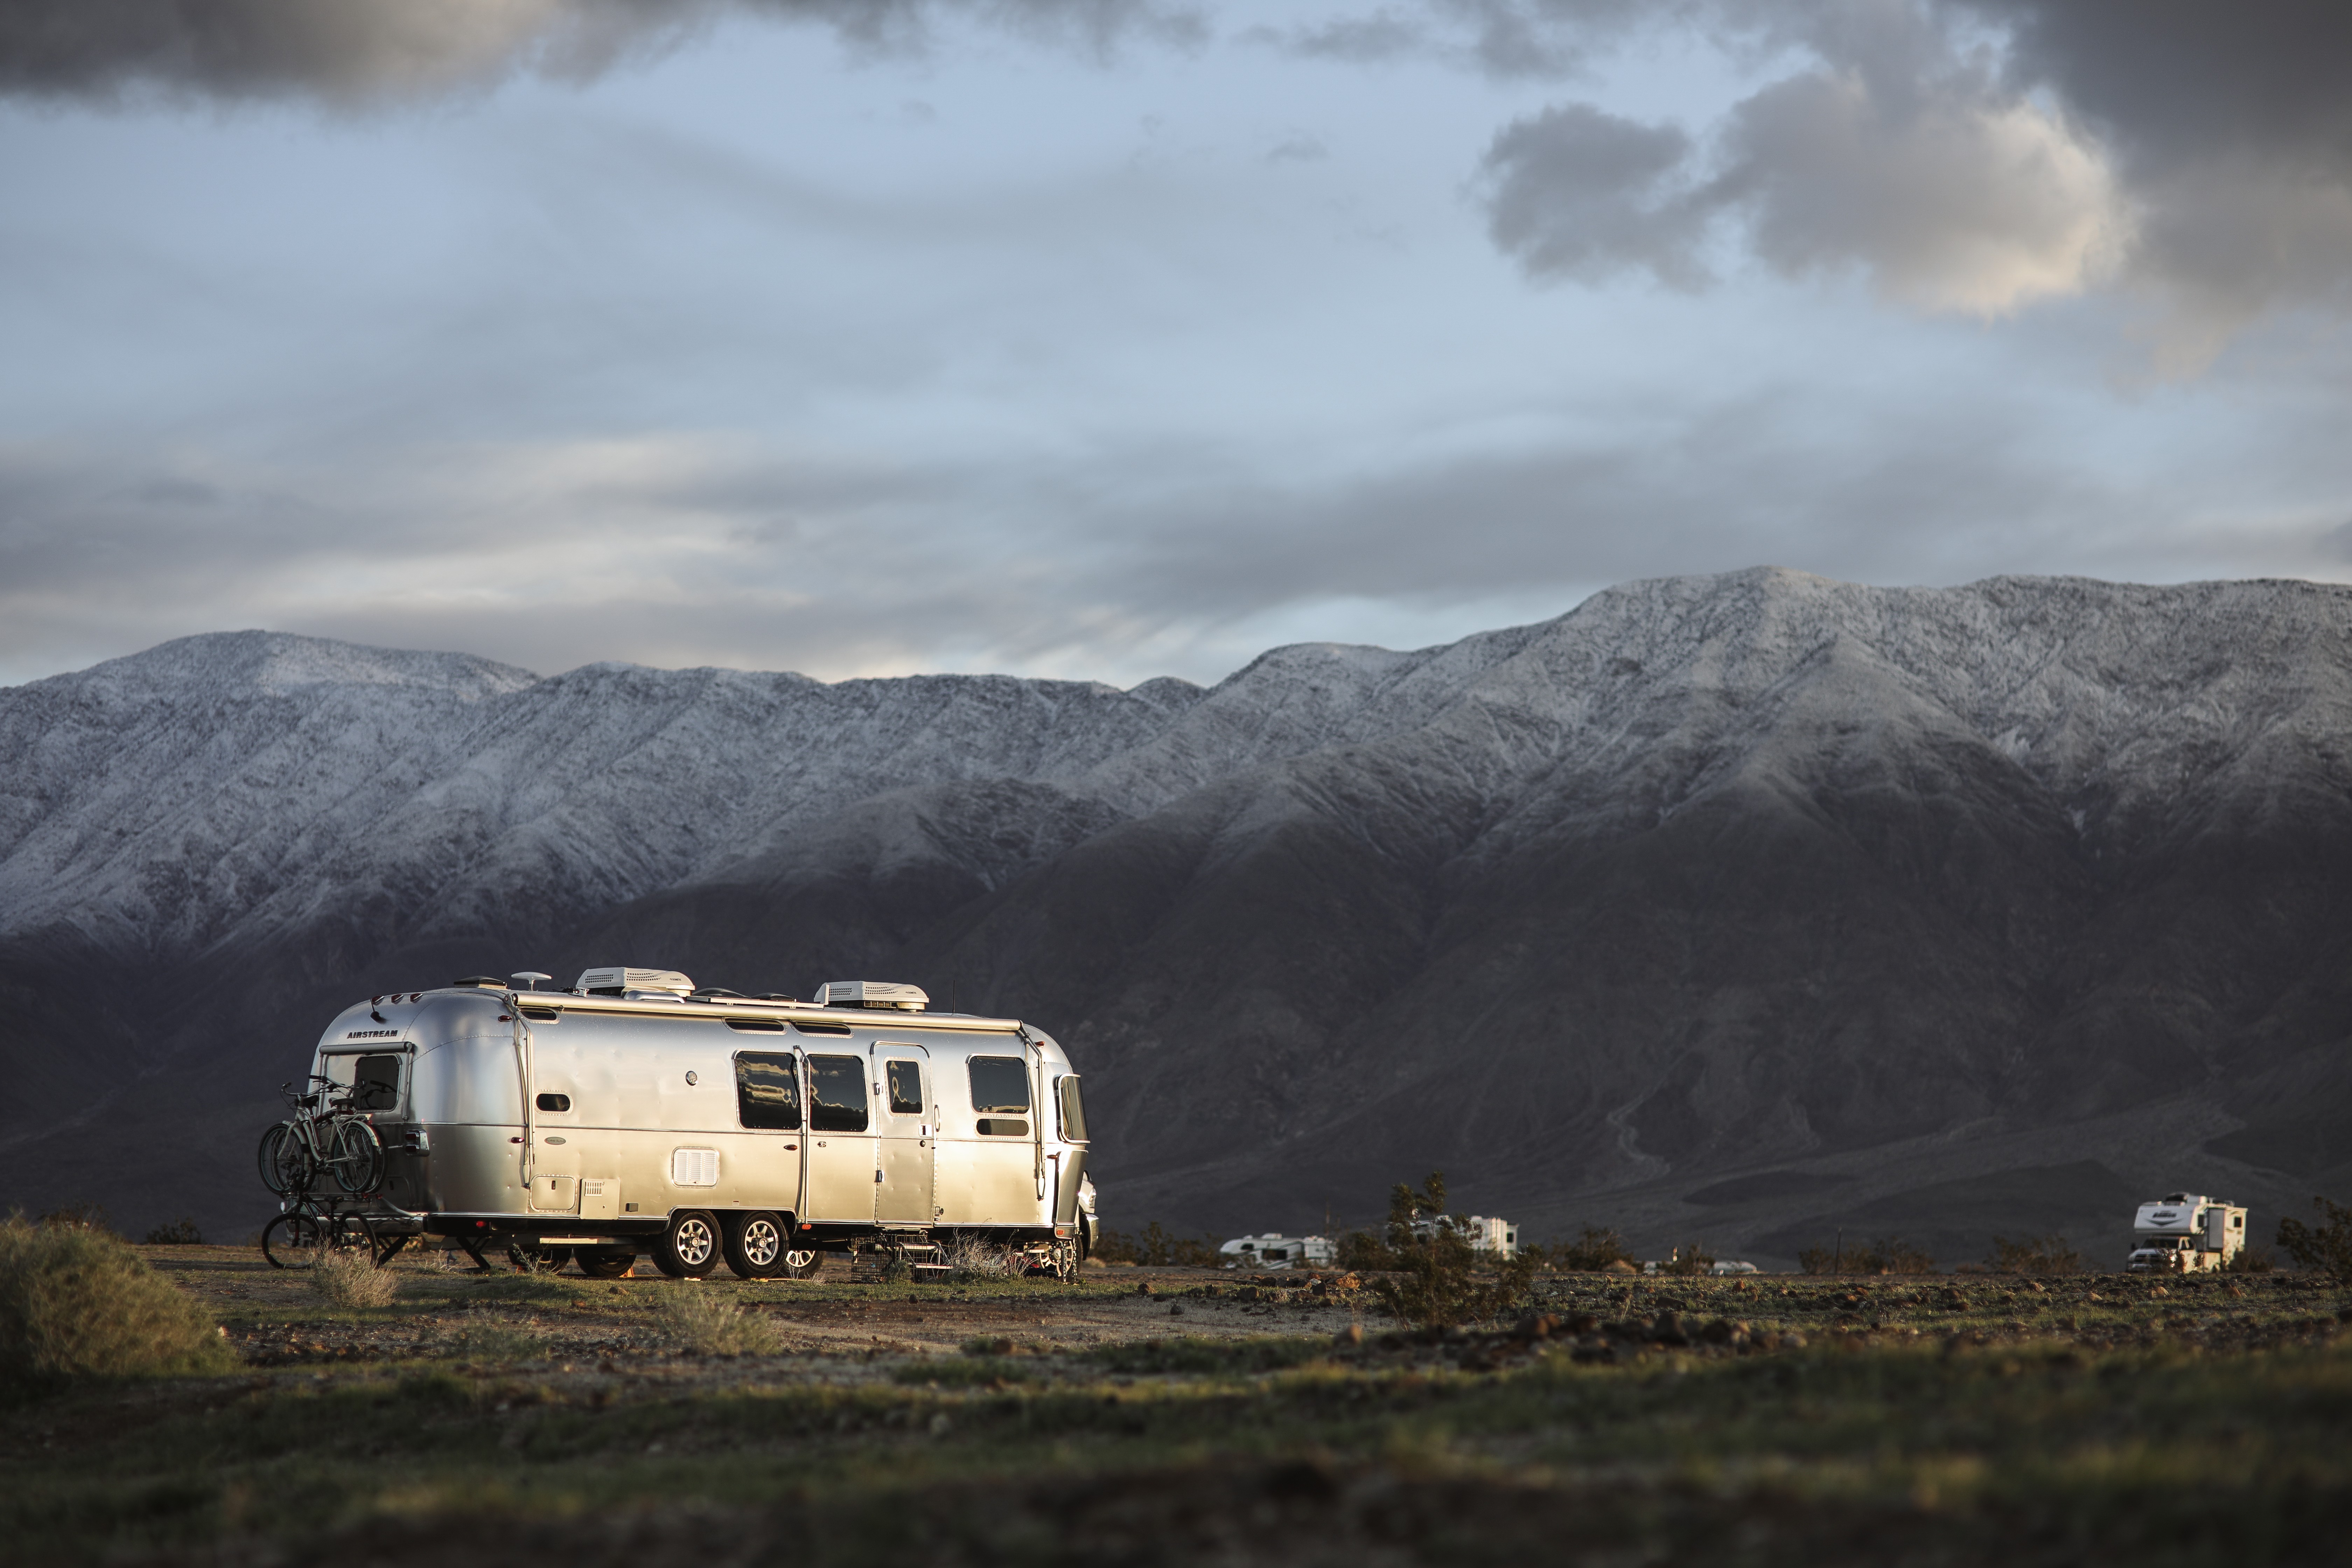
1957	200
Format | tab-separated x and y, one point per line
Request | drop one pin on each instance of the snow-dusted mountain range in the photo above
1732	908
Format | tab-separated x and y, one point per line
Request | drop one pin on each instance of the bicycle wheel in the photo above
284	1159
295	1240
352	1233
357	1156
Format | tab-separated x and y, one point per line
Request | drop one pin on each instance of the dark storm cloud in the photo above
1967	154
371	51
2182	80
1583	195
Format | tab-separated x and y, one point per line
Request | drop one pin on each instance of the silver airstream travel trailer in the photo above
636	1115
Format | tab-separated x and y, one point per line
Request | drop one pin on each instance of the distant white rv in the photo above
2186	1233
1275	1251
1483	1234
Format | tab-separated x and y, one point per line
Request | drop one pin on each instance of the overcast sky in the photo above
1103	340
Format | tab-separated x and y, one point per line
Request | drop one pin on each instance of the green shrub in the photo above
1688	1259
1362	1252
2251	1259
1198	1354
77	1302
1886	1255
1436	1281
181	1232
1157	1247
2034	1255
2325	1248
1596	1249
494	1343
968	1372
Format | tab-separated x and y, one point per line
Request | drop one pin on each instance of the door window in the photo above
906	1083
767	1091
836	1094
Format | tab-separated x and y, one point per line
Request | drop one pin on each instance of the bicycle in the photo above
326	1133
338	1140
305	1236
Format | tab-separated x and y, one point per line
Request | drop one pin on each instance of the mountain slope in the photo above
1846	892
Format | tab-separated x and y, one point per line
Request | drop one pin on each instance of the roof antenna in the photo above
532	976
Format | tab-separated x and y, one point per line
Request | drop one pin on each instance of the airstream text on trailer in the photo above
636	1115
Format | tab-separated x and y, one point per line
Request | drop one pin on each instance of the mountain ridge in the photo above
1704	875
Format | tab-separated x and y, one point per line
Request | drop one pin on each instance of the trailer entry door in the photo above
903	1150
768	1101
841	1164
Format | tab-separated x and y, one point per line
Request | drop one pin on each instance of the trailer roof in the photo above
743	1007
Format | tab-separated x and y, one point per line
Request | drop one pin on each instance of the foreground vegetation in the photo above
1174	1416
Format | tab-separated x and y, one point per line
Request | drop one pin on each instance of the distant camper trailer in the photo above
1275	1251
634	1115
1484	1235
2186	1233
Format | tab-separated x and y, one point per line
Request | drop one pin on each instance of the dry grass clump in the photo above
708	1325
78	1302
348	1277
974	1260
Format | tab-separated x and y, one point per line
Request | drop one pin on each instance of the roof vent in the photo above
872	993
622	982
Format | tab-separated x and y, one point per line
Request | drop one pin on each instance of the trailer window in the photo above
906	1080
1074	1112
375	1083
767	1091
1000	1084
836	1094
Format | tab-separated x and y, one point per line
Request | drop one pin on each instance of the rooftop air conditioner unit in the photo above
872	993
622	982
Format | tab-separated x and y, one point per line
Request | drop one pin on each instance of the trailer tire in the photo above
755	1245
799	1263
606	1262
689	1249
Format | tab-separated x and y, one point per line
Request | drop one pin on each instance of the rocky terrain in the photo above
1741	910
1165	1417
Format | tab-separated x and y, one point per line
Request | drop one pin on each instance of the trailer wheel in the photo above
689	1249
606	1262
755	1246
799	1263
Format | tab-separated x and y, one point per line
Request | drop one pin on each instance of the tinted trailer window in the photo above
1000	1091
836	1094
767	1091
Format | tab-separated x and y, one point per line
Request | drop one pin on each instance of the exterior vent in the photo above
696	1168
621	982
886	993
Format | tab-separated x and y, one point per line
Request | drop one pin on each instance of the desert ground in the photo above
1176	1417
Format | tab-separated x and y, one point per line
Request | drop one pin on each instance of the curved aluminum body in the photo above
592	1117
